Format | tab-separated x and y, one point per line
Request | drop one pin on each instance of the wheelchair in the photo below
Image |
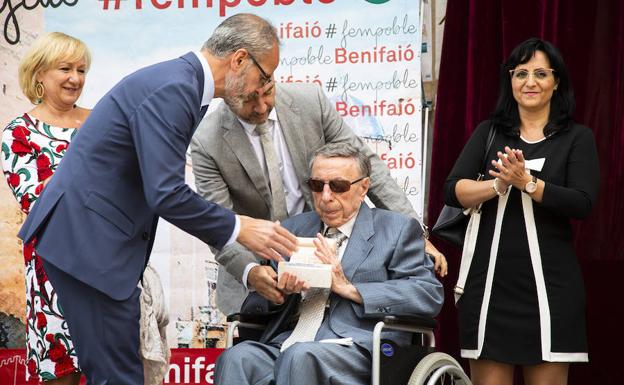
416	364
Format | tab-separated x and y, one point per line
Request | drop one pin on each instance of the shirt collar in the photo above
208	80
347	227
250	127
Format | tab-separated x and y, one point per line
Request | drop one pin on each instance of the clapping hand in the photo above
510	169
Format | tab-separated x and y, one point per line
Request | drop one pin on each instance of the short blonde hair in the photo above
46	52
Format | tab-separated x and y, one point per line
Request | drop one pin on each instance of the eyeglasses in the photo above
538	74
264	77
336	185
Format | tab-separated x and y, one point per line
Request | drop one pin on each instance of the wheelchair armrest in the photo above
252	318
411	319
249	321
407	319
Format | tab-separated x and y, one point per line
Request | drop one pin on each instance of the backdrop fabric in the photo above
478	37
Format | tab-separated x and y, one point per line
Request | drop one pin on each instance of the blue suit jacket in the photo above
97	217
385	260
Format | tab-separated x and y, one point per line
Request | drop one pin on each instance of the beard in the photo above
235	97
234	91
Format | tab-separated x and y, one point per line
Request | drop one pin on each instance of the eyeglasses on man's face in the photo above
336	185
264	77
522	75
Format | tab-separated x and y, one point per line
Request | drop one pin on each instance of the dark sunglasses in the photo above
336	185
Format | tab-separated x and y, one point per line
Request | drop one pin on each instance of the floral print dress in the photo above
31	152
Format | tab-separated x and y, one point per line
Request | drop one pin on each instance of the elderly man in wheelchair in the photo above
378	268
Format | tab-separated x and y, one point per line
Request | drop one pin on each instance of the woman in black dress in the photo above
523	301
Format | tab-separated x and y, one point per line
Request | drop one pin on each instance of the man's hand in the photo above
440	264
290	284
267	239
263	279
340	283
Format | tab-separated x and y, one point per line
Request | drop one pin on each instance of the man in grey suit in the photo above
380	267
230	169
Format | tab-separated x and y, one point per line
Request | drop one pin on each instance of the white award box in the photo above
306	266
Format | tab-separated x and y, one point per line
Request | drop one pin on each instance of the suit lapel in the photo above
290	123
238	141
358	246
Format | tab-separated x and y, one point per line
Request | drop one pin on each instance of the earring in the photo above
555	88
39	91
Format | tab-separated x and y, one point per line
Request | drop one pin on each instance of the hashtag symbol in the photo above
105	3
330	31
331	85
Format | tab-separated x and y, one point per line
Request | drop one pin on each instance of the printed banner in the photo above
365	55
187	367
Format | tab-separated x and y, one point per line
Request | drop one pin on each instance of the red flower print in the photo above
50	338
42	277
29	248
57	351
20	148
21	134
38	189
64	366
35	146
13	179
61	147
43	167
20	144
42	321
25	203
32	368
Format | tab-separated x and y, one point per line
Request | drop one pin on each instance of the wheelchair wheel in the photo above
440	368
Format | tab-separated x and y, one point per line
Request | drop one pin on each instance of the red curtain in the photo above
478	37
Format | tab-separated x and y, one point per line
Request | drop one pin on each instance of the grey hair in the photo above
244	30
344	150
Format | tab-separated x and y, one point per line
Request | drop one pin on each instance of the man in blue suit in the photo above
380	267
95	221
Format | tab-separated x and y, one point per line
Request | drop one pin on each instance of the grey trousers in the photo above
253	363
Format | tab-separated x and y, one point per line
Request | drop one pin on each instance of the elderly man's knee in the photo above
237	353
300	353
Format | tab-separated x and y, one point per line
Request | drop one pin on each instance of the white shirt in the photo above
209	87
292	188
207	97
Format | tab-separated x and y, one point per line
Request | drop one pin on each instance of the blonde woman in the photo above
51	76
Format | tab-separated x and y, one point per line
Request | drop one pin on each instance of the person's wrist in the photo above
253	272
530	184
497	188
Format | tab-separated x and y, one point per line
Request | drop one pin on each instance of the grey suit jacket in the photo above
385	260
227	171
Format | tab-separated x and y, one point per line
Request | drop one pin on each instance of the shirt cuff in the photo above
235	232
246	273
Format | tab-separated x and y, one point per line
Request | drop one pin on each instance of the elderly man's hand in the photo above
440	264
340	283
291	284
263	279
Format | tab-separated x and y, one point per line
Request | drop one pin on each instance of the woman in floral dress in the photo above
51	75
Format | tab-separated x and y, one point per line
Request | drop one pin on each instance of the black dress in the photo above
522	307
